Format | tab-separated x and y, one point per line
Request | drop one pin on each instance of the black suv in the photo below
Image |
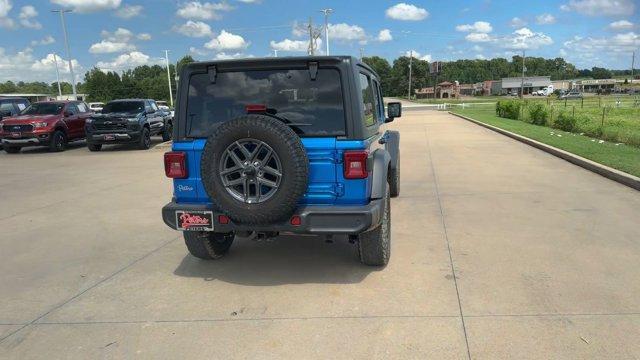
128	121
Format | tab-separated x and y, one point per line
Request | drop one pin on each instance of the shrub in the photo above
538	114
508	109
565	121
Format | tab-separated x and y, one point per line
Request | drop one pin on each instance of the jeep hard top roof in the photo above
271	62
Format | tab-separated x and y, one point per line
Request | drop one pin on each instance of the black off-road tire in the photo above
208	245
12	149
167	132
58	141
94	147
145	139
293	158
374	246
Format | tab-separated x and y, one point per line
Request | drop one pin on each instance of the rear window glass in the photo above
124	107
311	107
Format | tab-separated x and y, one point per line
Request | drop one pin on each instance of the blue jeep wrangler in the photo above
282	146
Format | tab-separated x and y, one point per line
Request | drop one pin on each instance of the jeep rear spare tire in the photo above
255	169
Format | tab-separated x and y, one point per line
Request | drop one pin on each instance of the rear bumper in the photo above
315	219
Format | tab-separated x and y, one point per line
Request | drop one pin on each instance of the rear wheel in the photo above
94	147
167	132
145	139
58	141
374	246
11	149
208	245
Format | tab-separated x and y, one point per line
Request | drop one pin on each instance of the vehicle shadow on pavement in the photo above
75	145
284	260
130	147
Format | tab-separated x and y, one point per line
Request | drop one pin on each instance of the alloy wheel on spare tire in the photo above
255	169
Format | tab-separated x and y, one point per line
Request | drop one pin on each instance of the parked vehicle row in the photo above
56	123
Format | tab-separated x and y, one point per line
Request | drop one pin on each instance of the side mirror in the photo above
394	110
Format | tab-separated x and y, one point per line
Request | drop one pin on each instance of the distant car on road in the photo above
46	123
128	121
96	107
571	95
164	107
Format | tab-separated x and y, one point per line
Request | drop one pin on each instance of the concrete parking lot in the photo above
498	251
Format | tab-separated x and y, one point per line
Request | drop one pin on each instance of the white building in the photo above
529	84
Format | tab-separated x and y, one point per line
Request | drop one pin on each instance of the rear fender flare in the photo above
380	160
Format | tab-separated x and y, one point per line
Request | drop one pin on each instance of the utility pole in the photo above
326	13
361	53
275	52
166	57
55	60
66	44
522	79
633	63
314	34
410	63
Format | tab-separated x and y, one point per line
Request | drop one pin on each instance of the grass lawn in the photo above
622	157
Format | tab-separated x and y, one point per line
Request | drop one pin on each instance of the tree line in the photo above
151	81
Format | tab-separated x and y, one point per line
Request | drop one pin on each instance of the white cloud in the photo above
27	17
22	66
563	52
128	61
48	64
478	37
194	29
5	7
545	19
385	35
621	25
226	41
618	43
517	22
129	11
225	56
406	12
523	39
107	47
120	35
299	30
87	6
45	41
5	21
290	45
482	27
417	55
600	7
346	32
202	11
480	57
144	36
477	48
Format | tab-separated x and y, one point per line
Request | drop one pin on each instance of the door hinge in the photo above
339	189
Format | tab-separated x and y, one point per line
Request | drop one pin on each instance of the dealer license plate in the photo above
109	137
194	220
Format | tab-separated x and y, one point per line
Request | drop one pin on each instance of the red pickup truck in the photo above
46	123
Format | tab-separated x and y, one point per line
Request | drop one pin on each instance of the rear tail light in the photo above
175	164
355	164
223	219
295	220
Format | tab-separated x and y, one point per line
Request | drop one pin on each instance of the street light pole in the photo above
166	57
66	44
55	60
410	64
522	79
326	13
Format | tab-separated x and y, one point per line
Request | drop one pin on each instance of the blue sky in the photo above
118	34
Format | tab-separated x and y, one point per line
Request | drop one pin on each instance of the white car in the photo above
96	107
162	105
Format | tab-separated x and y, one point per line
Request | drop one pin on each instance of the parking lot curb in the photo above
610	173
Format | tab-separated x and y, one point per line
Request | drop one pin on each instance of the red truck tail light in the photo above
175	164
355	164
